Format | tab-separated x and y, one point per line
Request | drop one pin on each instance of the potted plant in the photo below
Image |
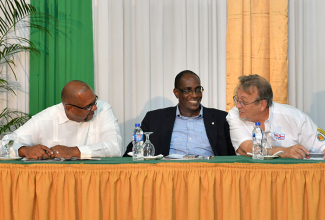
16	14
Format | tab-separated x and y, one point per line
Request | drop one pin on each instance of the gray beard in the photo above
243	119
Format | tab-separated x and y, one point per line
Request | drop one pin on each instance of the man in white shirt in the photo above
292	131
80	126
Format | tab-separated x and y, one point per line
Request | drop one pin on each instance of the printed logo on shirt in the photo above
320	134
279	136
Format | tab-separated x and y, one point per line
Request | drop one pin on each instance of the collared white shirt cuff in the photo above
85	152
13	150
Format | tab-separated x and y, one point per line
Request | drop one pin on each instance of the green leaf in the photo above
13	15
11	120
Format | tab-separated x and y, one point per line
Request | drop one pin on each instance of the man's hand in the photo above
65	152
35	152
295	151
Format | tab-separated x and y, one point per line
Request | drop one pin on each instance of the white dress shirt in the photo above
98	137
288	125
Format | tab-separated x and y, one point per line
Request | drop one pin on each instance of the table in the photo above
232	187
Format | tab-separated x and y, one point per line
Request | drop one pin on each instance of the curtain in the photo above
307	58
140	46
113	76
257	44
67	55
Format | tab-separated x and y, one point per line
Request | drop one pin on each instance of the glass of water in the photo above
148	148
267	147
8	141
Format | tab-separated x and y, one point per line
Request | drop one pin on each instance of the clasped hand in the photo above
35	152
65	152
43	152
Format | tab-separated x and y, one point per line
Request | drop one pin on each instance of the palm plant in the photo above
10	119
15	15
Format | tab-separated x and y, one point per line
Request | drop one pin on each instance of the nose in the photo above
93	108
238	105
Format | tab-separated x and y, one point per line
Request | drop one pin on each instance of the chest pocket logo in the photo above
278	136
320	134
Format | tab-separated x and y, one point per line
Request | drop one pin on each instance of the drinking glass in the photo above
148	148
8	141
267	147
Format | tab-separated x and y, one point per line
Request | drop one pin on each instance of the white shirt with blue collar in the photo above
189	136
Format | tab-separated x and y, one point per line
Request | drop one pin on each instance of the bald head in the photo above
73	89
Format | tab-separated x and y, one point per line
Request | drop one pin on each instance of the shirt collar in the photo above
178	113
61	114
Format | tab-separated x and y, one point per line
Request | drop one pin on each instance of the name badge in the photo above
279	136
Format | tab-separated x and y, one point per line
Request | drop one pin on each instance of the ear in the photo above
68	108
263	105
176	93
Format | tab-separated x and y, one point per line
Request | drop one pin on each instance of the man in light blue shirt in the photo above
188	127
189	136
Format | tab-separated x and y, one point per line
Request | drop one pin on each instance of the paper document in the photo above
181	157
59	159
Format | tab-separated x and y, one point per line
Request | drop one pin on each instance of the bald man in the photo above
80	126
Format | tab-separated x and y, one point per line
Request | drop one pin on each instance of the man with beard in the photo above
80	126
188	128
292	131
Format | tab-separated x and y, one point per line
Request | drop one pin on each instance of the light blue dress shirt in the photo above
189	136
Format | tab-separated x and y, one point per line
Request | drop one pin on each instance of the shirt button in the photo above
190	138
189	148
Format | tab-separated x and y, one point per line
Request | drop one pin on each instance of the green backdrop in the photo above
65	56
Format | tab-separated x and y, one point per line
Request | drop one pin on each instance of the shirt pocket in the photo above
282	140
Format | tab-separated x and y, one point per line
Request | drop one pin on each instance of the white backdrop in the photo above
141	45
307	58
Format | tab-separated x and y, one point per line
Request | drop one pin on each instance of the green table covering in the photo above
218	159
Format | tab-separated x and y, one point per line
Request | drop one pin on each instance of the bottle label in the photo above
138	137
258	136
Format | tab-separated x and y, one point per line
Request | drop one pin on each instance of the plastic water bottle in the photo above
257	141
137	140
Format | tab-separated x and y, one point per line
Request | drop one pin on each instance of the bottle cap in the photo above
137	125
257	123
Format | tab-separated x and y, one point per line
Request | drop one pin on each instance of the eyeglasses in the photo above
242	103
197	90
89	107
